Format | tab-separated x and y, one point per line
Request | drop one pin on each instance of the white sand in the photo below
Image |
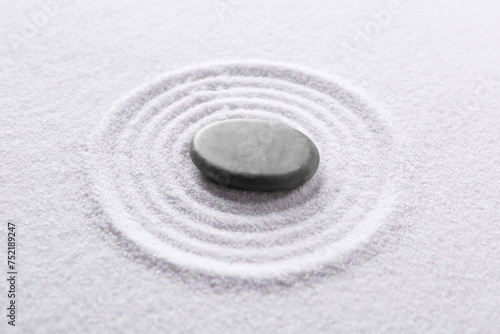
119	233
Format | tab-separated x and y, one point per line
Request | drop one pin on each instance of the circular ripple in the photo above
157	198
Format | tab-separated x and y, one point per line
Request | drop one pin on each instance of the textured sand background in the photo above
118	232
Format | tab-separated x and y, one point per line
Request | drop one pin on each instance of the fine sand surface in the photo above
118	232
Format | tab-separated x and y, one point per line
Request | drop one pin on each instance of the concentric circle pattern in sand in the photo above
157	198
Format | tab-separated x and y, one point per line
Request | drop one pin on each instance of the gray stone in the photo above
254	154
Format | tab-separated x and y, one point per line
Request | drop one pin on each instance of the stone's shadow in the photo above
275	201
234	194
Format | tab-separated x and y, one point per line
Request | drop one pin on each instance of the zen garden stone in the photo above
254	154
